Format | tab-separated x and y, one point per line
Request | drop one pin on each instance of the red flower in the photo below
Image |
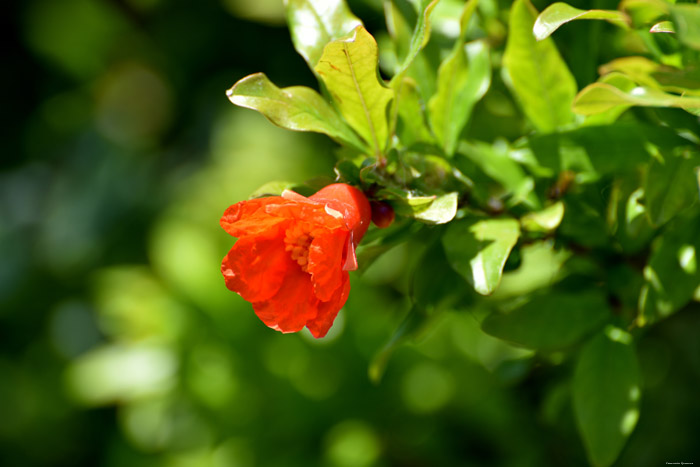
293	254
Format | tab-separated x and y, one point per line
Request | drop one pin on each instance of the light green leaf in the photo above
599	97
294	108
442	210
540	79
413	127
670	186
606	391
429	209
686	19
553	320
420	36
620	81
643	12
348	68
463	78
560	13
274	188
546	220
478	249
646	72
663	26
315	23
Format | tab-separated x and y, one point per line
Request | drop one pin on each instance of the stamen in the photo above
297	240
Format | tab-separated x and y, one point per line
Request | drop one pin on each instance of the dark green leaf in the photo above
478	249
295	108
412	325
559	13
671	186
672	275
540	79
606	390
435	285
602	149
348	68
495	162
315	23
551	320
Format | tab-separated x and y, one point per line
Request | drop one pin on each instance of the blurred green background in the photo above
121	346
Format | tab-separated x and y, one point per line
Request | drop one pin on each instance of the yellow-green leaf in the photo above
294	108
560	13
546	220
599	97
315	23
663	26
540	79
420	36
348	68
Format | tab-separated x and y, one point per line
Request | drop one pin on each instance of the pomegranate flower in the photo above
293	254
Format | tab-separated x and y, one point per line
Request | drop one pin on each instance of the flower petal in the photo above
293	305
256	266
327	311
326	262
251	217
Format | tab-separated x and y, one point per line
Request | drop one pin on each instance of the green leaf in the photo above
420	36
599	97
478	249
671	186
540	79
442	210
620	81
413	324
348	68
550	321
559	13
602	149
295	108
546	220
272	189
429	209
495	162
435	286
644	12
673	273
606	391
663	26
315	23
686	19
648	73
463	78
413	128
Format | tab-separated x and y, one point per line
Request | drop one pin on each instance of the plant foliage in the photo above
603	172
